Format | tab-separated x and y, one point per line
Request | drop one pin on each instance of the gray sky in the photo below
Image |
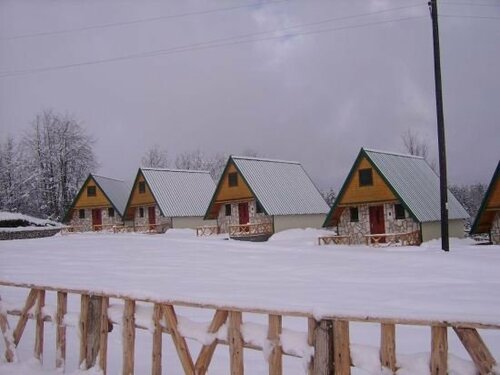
316	95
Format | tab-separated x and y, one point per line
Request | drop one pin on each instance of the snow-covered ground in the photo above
289	272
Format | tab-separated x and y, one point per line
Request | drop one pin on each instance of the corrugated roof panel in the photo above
180	192
417	185
282	187
117	191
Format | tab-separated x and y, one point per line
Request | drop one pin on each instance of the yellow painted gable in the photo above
84	201
494	199
378	192
141	199
228	193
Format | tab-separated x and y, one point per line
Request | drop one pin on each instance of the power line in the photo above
203	46
141	20
466	16
469	4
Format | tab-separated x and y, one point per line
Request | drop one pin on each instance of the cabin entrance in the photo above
377	225
152	217
96	219
243	213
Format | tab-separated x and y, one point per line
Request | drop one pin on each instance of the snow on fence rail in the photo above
328	345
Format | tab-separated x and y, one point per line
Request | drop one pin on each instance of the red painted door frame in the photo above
152	217
96	219
377	224
243	213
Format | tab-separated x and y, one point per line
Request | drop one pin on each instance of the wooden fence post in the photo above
90	329
439	350
235	343
128	337
476	348
10	348
83	324
104	328
341	347
388	346
62	308
311	329
39	325
157	340
323	348
276	355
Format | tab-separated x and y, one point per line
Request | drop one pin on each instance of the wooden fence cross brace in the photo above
10	348
207	351
179	340
23	318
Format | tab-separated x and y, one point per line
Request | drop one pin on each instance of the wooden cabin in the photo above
257	197
390	197
99	204
168	198
488	218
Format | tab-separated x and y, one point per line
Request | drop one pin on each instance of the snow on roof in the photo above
8	216
178	192
281	187
117	191
416	184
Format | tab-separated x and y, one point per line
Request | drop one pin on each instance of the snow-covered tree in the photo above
155	157
329	196
470	196
11	176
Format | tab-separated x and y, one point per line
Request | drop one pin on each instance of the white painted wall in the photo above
191	222
298	221
432	230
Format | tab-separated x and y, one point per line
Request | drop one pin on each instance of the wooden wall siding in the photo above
143	199
99	200
494	201
378	192
226	193
492	206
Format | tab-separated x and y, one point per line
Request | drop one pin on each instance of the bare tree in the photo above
155	157
416	145
329	196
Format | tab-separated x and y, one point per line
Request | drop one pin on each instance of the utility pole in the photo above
445	243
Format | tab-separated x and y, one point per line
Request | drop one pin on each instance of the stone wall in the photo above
85	224
165	222
254	217
26	234
357	230
495	229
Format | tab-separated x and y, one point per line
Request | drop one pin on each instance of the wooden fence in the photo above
254	229
329	336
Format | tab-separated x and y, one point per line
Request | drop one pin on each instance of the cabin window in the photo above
354	214
81	213
141	212
228	210
399	211
233	179
365	177
258	207
91	191
111	212
142	187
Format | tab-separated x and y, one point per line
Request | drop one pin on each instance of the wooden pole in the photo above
311	329
235	343
157	340
273	335
10	348
39	325
476	348
323	348
62	308
207	351
84	313
388	346
23	318
128	337
439	350
179	341
103	335
341	347
94	330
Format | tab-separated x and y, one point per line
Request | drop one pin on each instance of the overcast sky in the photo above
311	81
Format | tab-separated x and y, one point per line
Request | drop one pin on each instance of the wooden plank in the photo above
157	340
341	347
103	335
323	348
388	346
207	351
477	349
235	343
273	335
179	341
128	337
10	348
39	325
311	329
62	309
83	326
21	323
93	330
439	350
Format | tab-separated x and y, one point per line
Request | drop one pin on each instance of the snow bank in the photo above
180	233
16	222
299	236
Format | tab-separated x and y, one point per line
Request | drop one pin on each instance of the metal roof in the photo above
281	187
416	184
117	191
180	192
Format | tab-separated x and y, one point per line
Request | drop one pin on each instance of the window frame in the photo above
363	177
111	212
398	207
81	213
228	209
232	179
141	212
142	187
258	208
92	189
353	218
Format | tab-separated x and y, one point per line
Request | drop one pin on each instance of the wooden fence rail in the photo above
329	336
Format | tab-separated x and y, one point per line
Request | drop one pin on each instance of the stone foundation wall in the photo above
495	229
85	224
224	221
357	230
26	234
144	221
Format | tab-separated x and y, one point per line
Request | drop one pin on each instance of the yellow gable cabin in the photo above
257	197
99	204
390	197
488	218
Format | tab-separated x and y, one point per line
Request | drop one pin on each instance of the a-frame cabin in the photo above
488	217
99	204
387	194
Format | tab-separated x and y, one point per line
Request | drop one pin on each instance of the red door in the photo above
96	219
243	213
377	225
152	217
